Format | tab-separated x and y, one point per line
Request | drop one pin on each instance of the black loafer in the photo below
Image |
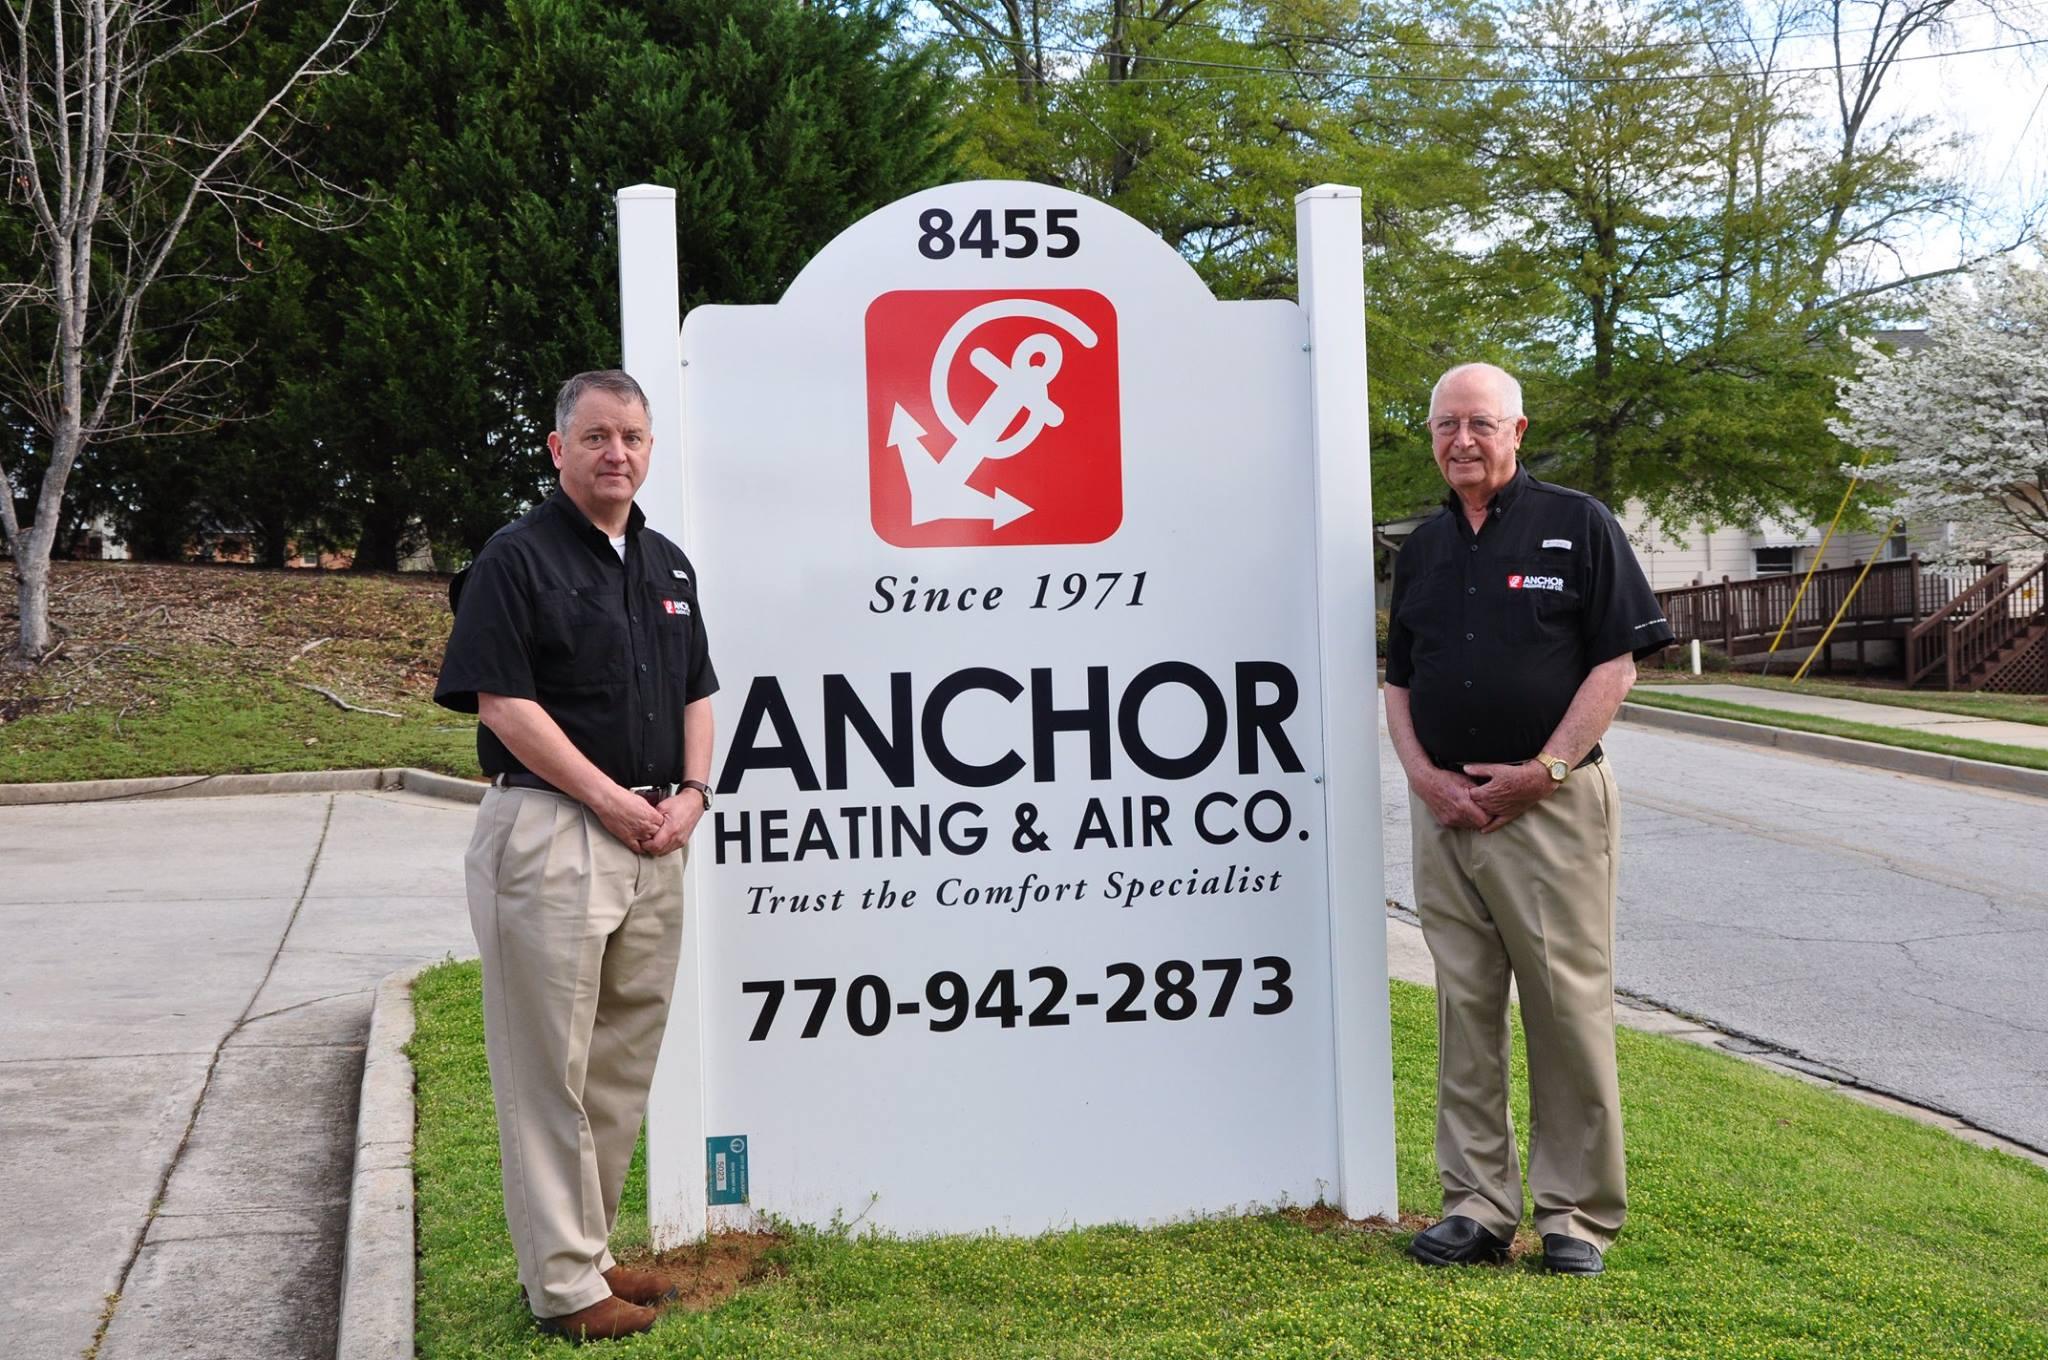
1458	1241
1564	1254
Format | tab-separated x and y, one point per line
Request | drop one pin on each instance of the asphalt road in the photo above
1885	929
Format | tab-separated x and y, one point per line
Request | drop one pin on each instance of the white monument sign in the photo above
1042	885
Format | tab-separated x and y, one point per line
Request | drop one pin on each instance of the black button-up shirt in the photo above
611	649
1493	632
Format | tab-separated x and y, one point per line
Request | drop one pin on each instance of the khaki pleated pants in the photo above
1534	899
579	937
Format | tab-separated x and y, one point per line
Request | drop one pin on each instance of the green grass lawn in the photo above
254	724
1909	738
190	670
1769	1219
2026	708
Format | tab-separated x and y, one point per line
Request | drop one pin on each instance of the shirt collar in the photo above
1503	499
580	522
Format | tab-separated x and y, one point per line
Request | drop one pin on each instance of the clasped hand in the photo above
1485	797
650	829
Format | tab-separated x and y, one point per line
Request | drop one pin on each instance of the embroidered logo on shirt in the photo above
1520	582
676	607
1564	543
682	575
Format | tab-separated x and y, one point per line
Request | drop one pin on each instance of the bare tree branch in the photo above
112	197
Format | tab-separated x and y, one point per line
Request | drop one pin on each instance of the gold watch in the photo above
1557	767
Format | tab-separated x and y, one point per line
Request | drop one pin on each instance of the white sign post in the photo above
1043	886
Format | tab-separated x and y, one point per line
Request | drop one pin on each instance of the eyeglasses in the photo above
1482	427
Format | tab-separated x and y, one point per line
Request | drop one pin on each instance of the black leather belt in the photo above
1593	757
655	794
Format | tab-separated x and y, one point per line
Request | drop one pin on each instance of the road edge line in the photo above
242	785
1897	759
1646	1016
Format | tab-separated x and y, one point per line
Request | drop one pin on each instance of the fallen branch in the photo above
340	702
316	642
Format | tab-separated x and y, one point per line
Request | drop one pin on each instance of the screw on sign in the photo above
993	418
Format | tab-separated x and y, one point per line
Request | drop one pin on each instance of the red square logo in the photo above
993	418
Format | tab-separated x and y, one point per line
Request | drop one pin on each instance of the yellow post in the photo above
1800	674
1814	566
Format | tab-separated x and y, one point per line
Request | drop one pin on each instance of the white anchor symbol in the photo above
938	488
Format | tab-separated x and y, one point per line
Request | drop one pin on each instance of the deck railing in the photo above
1729	613
2002	617
1928	642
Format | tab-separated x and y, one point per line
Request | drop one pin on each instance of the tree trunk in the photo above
32	595
1601	475
378	547
272	535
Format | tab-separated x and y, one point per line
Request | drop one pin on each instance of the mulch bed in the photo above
124	630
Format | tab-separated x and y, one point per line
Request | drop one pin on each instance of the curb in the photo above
1898	759
1632	1011
377	1280
238	785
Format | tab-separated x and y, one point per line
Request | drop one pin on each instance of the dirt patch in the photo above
126	631
1327	1218
712	1271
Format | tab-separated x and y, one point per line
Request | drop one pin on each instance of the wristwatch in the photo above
703	790
1557	766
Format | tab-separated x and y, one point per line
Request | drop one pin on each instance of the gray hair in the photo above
616	381
1511	389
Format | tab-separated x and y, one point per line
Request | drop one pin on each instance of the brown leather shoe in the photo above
643	1287
606	1320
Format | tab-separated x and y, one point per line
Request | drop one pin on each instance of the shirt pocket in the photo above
1543	599
581	641
1425	597
672	610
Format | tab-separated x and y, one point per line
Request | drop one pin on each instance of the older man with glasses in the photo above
1518	614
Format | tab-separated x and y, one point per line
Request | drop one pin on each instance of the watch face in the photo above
1558	770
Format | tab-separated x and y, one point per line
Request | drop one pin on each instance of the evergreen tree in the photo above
408	366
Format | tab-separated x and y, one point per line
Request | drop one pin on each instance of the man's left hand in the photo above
679	817
1505	792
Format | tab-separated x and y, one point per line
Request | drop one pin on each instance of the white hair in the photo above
1510	389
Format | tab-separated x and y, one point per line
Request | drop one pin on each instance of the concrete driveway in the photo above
185	987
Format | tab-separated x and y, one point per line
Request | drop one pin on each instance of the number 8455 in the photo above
1020	235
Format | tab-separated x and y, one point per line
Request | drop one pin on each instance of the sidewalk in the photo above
1873	714
184	997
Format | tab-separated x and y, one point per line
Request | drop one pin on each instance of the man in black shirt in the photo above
1517	618
579	643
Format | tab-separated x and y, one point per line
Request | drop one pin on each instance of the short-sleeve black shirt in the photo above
612	649
1492	633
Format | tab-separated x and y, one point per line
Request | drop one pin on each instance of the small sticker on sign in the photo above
725	1169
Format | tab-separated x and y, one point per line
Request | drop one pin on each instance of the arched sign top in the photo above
1043	236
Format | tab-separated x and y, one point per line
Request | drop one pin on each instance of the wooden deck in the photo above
1980	626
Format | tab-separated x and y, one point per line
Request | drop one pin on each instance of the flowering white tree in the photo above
1964	418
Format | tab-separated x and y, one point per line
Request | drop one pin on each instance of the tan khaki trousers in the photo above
1535	898
579	938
